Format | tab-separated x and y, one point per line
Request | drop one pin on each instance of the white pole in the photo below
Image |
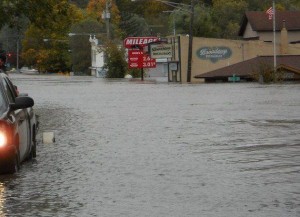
274	35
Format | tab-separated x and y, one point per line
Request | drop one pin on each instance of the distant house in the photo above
244	71
257	26
98	58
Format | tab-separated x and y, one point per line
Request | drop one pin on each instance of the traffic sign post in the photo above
234	78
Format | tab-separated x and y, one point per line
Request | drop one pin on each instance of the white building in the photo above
98	58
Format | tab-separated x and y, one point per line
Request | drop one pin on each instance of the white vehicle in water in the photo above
26	70
18	127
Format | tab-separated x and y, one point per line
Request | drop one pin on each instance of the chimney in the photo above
283	39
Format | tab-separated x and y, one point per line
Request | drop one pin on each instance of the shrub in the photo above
116	65
266	74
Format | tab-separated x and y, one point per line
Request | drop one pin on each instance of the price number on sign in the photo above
149	64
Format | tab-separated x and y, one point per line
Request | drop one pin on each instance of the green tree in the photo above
203	22
133	25
227	15
80	45
50	39
116	64
96	10
80	3
259	5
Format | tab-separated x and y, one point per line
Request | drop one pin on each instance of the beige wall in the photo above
241	50
293	36
249	33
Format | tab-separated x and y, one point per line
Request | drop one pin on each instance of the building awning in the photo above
247	68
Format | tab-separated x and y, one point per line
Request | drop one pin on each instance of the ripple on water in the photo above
134	149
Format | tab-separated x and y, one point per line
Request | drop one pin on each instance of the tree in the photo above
51	54
258	5
133	25
96	10
116	64
227	15
80	3
80	45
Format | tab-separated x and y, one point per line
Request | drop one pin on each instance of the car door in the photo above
21	121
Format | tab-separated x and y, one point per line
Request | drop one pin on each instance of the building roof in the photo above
259	21
246	68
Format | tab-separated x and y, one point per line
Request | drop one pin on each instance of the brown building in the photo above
257	26
211	54
288	66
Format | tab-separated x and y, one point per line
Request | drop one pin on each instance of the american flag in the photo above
270	12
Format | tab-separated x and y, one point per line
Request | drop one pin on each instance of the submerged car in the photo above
18	127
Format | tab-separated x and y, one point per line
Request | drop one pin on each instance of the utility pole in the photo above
190	48
106	17
274	35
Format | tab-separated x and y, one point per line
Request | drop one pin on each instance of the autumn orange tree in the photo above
96	10
45	45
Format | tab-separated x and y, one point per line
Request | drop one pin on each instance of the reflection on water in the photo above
2	199
127	148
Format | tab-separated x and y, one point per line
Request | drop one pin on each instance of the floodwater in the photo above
133	149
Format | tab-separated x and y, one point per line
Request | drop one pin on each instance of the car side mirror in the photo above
22	102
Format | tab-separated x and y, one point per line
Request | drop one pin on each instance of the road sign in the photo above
135	59
132	42
234	78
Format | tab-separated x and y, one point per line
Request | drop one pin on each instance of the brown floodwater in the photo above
133	149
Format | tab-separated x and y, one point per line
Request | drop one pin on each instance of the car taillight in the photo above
6	136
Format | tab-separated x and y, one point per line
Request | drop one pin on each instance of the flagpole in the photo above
274	35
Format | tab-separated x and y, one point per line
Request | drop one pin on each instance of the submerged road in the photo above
137	149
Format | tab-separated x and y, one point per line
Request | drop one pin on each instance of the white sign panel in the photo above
160	51
173	66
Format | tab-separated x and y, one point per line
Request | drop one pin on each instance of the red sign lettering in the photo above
139	41
137	59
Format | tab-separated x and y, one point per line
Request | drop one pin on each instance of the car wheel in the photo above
14	165
33	151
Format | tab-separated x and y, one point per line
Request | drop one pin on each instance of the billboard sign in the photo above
137	59
160	51
141	42
214	53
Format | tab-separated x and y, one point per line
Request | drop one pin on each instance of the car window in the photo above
11	86
10	95
3	104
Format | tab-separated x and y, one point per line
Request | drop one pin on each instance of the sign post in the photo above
136	56
234	78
